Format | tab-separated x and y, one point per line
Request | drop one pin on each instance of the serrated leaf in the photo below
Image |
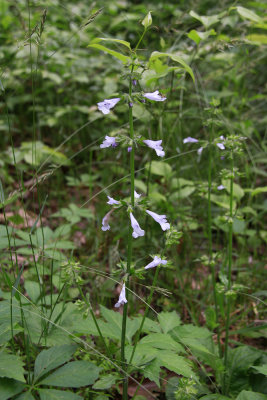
52	358
152	371
175	363
11	366
105	382
174	57
161	341
74	374
25	396
53	394
113	53
262	369
96	40
168	320
9	388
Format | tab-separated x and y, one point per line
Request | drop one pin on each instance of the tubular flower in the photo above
137	231
155	96
155	145
161	219
105	220
109	141
112	201
220	187
200	151
157	261
106	105
122	298
189	139
221	146
136	195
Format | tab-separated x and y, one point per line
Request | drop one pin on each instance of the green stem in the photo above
152	289
229	273
129	252
211	263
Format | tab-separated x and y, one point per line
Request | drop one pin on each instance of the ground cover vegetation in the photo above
132	200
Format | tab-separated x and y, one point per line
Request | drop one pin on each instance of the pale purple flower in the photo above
106	105
129	149
200	151
134	82
105	222
220	187
112	201
130	104
136	195
155	145
161	219
155	96
189	139
137	231
222	137
157	261
220	145
122	298
109	141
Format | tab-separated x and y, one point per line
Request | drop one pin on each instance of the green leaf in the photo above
237	190
198	36
52	358
53	394
6	333
147	21
168	320
25	396
248	14
159	168
115	54
262	369
74	374
206	21
97	40
9	388
174	57
152	371
11	366
171	388
259	190
215	397
248	395
161	341
105	382
175	363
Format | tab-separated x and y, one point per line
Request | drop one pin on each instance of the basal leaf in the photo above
248	395
11	366
168	320
9	388
53	394
161	341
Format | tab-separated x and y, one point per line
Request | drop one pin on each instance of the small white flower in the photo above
155	96
220	145
161	219
105	220
155	145
222	137
220	187
137	231
189	139
109	141
122	298
200	151
106	105
157	261
136	195
112	201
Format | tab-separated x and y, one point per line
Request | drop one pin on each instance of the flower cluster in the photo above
111	141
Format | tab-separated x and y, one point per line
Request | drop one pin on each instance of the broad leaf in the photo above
152	371
53	394
161	341
206	21
105	382
175	363
159	168
198	36
262	369
248	395
168	320
97	40
52	358
25	396
11	366
174	57
9	388
248	14
115	54
74	374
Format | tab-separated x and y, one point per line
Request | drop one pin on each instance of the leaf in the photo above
25	396
33	290
159	168
105	382
11	366
171	388
115	54
127	44
174	57
161	341
215	396
17	281
52	358
168	320
262	369
259	190
175	363
152	371
53	394
238	192
9	388
206	21
6	333
198	36
248	395
248	14
74	374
